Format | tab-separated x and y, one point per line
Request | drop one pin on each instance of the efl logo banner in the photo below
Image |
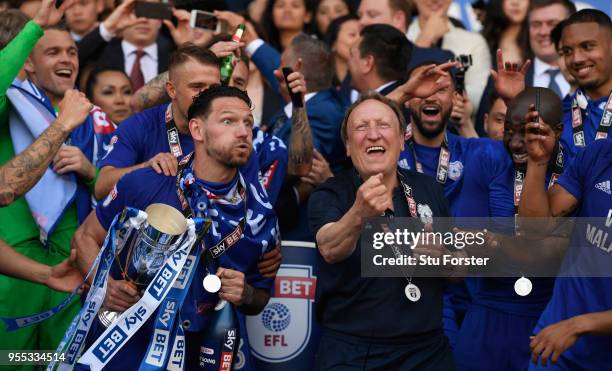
283	329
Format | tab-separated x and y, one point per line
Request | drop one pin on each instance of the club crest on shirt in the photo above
455	169
425	213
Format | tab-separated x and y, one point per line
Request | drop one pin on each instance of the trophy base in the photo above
108	317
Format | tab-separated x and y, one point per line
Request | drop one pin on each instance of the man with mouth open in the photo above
585	40
431	149
495	307
369	322
217	185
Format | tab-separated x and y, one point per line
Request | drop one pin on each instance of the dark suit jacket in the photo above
325	115
94	49
529	76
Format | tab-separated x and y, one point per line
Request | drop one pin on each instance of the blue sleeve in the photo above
116	200
273	161
495	165
325	122
253	276
126	143
267	59
573	176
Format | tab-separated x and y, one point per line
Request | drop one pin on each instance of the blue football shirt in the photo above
591	116
588	179
144	135
488	191
462	151
143	187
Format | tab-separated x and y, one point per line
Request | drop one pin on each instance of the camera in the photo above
465	61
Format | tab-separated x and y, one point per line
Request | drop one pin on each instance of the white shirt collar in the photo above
289	106
75	37
540	67
378	89
128	49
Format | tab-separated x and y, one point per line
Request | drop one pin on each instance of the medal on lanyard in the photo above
412	291
211	283
523	286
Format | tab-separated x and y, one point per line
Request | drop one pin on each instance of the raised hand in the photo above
224	48
181	33
296	81
48	15
539	137
373	197
461	115
122	17
424	82
73	109
509	78
233	20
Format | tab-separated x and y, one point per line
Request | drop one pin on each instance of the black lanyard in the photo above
443	158
230	239
577	125
173	134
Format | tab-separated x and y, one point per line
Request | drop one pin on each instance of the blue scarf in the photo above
224	207
31	113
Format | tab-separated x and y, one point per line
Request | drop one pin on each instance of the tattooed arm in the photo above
151	94
300	139
22	172
300	143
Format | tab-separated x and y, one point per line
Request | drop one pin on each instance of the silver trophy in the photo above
148	247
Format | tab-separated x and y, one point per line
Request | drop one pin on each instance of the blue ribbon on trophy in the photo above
107	252
155	242
177	353
161	239
166	327
76	333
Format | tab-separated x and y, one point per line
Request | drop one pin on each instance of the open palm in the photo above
510	77
48	15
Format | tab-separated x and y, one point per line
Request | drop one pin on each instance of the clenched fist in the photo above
373	197
234	287
73	109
